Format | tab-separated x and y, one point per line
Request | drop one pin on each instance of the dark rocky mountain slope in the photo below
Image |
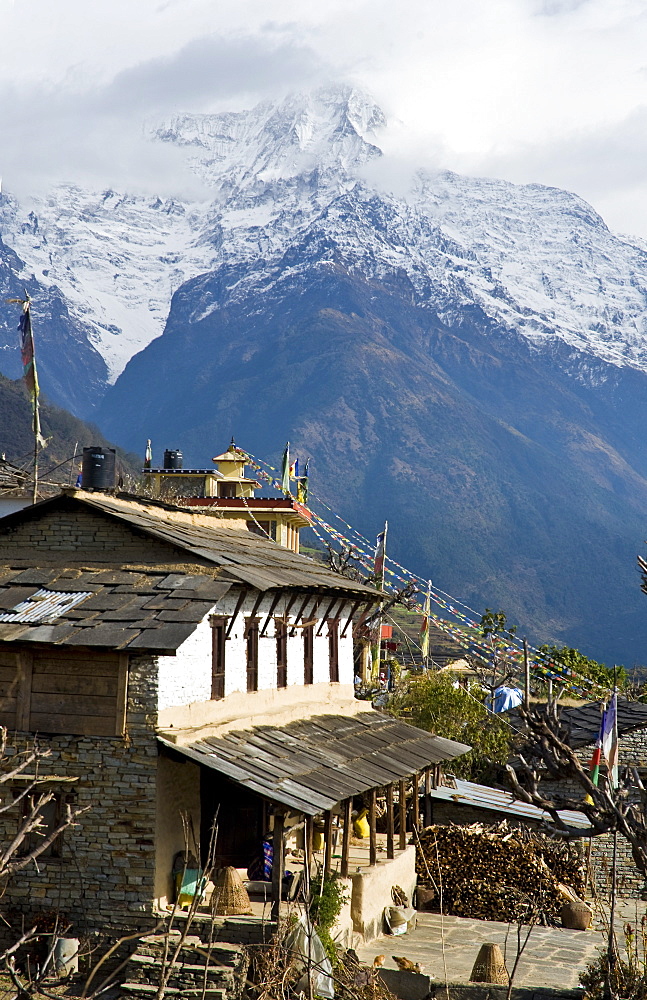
508	481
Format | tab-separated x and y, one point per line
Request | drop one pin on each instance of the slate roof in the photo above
150	608
129	610
312	764
583	722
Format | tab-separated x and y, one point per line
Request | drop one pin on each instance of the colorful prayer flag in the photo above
30	374
594	763
302	484
610	740
294	469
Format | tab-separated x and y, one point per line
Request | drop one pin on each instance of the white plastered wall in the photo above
185	679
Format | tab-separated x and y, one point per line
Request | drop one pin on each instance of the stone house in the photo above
582	724
174	665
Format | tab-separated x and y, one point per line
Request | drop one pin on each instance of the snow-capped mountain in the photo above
468	359
536	260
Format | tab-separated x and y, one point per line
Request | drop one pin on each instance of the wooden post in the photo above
416	802
427	797
526	674
403	815
277	865
390	852
372	851
345	844
327	842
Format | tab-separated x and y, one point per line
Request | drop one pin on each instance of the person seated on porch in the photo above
260	870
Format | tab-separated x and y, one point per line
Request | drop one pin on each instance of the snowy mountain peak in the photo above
332	128
284	177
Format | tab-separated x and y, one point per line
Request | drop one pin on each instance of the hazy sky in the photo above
549	91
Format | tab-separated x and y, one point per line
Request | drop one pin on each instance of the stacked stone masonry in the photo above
630	884
107	862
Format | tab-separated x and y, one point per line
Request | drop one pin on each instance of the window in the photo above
251	637
308	654
266	529
218	627
227	490
333	648
281	630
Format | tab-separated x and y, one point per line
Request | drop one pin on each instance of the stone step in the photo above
217	953
144	990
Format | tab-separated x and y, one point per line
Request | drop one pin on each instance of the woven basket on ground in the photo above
489	966
230	895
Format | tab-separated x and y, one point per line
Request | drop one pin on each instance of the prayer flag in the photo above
30	374
285	469
594	763
302	484
380	556
424	631
610	740
294	469
148	454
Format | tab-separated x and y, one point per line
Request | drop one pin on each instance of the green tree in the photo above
577	661
432	702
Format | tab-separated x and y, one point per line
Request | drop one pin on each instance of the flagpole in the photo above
379	571
612	773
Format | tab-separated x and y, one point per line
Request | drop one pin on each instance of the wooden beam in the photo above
239	604
257	604
25	665
327	842
345	844
278	862
122	695
326	615
353	610
402	805
299	614
363	615
416	803
275	601
427	797
372	816
390	825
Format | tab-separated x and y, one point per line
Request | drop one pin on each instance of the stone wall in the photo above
81	536
632	748
105	875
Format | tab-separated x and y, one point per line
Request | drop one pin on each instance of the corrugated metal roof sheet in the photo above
467	793
44	605
313	764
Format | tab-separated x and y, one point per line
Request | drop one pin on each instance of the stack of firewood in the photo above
498	872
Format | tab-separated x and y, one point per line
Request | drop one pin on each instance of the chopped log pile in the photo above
498	872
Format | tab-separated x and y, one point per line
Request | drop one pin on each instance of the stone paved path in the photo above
553	956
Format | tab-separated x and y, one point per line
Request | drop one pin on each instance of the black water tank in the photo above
98	469
172	459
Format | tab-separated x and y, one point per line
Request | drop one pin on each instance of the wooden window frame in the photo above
218	648
251	646
281	633
333	650
308	654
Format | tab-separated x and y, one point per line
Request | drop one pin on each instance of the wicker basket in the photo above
489	966
230	895
577	916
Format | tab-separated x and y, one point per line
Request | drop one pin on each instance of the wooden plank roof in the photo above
312	764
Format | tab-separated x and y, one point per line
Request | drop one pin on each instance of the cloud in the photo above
94	134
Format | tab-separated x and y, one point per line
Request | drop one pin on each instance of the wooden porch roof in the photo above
313	764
